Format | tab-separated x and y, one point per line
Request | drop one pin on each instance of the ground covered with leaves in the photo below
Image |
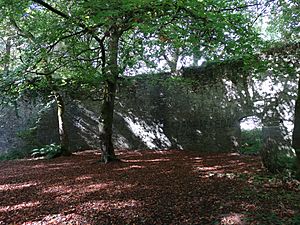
147	187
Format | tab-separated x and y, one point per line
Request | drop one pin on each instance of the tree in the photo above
296	132
285	25
39	80
105	30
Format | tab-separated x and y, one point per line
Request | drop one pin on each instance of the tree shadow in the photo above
148	187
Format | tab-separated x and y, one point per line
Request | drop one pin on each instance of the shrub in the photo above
15	154
29	137
251	141
277	157
48	151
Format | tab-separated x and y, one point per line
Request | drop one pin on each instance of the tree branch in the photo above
56	11
25	34
63	38
43	73
81	24
241	7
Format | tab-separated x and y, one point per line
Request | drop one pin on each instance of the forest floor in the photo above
147	187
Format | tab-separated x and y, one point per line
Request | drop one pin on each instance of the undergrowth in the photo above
251	141
48	151
15	154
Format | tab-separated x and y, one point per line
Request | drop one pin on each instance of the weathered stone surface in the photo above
276	152
148	115
15	120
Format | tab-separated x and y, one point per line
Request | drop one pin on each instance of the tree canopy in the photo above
58	44
54	47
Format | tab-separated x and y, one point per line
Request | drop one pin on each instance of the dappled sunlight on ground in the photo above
83	178
19	206
149	160
130	167
146	187
227	165
71	218
233	218
10	187
103	205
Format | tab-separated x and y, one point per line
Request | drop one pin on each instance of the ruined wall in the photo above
172	115
150	113
15	123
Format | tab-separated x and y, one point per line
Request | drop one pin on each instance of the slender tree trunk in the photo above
63	136
172	61
110	84
7	57
62	131
296	132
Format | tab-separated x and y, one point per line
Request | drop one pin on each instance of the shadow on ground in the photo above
147	187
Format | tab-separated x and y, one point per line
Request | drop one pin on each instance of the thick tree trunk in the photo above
110	84
296	132
63	136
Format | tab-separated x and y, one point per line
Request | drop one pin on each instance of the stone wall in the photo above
15	123
172	115
150	114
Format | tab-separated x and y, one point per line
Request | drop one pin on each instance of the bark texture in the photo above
63	135
109	93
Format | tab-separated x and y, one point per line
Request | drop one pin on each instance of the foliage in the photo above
284	23
48	151
251	141
59	43
29	136
276	158
294	220
16	153
65	46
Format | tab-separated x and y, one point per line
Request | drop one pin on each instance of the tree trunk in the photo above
7	57
111	73
63	136
296	132
62	132
172	61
